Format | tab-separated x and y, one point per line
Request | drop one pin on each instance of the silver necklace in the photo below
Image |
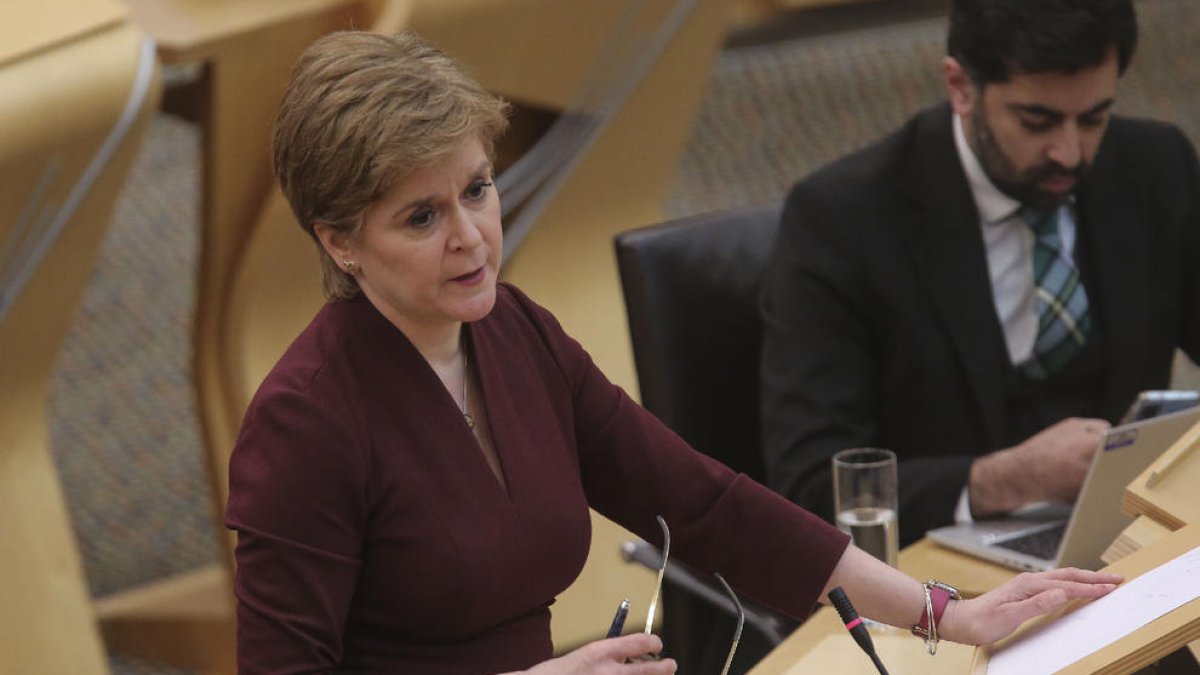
466	376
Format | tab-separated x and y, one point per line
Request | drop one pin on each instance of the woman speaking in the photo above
411	483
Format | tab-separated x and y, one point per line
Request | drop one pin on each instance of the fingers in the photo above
1086	436
1061	455
1053	598
1072	589
663	667
631	650
1048	591
1076	583
1084	576
627	655
1041	603
1074	436
996	614
1090	425
630	646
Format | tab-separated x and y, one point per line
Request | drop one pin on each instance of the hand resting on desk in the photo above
888	595
996	614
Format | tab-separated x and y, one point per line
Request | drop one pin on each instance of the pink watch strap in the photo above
939	598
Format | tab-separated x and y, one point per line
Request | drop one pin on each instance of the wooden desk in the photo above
821	645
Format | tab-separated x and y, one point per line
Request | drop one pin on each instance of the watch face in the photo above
946	587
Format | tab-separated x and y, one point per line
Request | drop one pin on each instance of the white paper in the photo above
1100	623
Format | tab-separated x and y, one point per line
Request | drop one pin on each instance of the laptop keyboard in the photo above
1041	544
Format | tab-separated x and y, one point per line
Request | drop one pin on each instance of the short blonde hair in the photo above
361	112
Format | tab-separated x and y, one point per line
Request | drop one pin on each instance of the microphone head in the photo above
858	631
842	604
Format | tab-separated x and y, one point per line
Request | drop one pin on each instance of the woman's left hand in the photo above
996	614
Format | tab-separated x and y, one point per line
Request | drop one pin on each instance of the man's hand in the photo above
1049	466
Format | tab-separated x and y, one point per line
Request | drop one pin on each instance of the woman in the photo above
412	480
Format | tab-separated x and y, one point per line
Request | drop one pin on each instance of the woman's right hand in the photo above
997	613
609	656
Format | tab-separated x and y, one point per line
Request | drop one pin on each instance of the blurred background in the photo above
742	99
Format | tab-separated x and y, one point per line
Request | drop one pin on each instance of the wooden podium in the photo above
1146	644
1167	525
1163	492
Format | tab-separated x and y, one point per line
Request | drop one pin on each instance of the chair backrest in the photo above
691	291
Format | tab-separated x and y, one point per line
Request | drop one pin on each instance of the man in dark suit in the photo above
985	290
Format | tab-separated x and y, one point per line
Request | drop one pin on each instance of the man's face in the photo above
1037	134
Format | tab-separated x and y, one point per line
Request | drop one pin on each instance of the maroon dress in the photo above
374	538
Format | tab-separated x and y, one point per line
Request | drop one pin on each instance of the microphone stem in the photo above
878	664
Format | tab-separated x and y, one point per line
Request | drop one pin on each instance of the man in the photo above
987	289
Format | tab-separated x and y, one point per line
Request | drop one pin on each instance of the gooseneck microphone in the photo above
855	625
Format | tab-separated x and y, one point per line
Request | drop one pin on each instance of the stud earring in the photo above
351	267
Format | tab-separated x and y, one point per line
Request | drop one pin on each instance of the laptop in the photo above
1048	536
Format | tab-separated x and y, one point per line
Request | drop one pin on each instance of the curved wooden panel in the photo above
71	97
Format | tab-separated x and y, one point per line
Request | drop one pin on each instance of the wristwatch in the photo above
937	596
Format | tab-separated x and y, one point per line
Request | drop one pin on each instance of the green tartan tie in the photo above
1062	304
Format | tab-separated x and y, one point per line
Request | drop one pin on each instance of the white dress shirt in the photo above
1009	243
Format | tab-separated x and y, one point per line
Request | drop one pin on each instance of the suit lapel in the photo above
944	239
1114	239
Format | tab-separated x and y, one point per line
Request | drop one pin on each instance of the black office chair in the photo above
691	292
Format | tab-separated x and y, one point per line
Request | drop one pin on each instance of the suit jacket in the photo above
880	325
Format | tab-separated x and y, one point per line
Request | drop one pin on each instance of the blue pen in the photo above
618	623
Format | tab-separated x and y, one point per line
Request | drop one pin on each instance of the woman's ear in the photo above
335	243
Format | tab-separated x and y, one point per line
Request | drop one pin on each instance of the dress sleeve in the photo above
297	502
634	468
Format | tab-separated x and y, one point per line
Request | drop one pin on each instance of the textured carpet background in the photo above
123	427
124	432
775	112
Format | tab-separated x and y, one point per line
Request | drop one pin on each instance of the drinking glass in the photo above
864	498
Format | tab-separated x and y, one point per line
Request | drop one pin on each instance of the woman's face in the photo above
429	248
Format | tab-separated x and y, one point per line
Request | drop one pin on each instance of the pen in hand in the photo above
618	622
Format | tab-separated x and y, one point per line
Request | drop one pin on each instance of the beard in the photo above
1021	185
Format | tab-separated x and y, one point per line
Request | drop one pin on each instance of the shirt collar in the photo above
994	206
